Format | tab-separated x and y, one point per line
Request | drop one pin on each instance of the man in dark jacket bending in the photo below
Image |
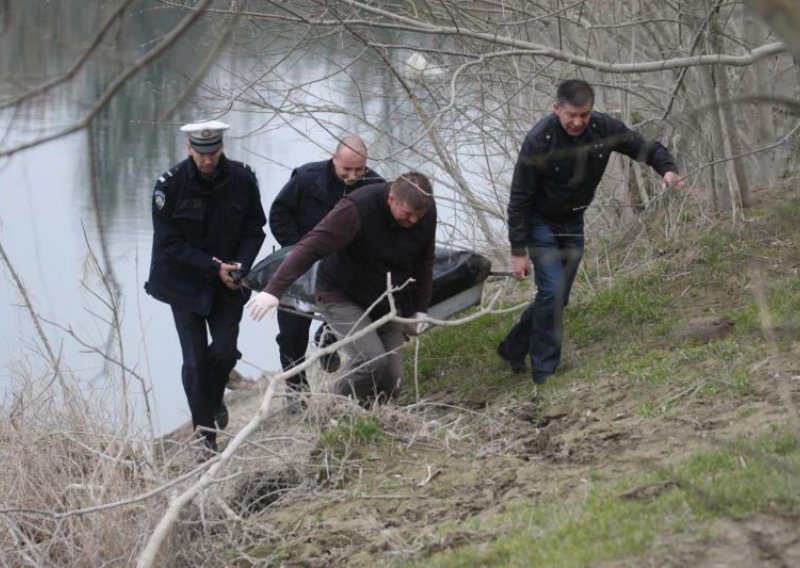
378	229
558	170
207	224
310	194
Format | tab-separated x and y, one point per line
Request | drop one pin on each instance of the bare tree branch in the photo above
117	84
35	317
783	16
70	73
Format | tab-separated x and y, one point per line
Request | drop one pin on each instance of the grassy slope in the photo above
662	441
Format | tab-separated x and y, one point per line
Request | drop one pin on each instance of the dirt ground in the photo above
386	502
456	460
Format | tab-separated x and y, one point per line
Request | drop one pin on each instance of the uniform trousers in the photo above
206	367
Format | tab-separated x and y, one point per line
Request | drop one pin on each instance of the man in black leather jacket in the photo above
558	170
207	224
311	192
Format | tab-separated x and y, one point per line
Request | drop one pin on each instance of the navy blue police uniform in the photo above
311	192
199	222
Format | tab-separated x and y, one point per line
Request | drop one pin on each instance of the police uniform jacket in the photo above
198	222
361	242
307	197
556	174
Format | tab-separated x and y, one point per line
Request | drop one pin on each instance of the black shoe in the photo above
540	377
221	416
330	362
296	397
296	402
517	365
298	387
206	449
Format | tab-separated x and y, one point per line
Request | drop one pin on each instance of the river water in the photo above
92	189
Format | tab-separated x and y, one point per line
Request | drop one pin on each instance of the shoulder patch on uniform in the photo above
159	199
165	177
243	165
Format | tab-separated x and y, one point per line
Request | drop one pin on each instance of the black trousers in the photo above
292	341
206	366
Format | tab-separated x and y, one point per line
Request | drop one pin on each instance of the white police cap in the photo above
205	137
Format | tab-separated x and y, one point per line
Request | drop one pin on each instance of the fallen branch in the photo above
432	474
147	557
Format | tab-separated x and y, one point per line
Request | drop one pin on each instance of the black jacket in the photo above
556	175
360	242
195	221
307	197
382	246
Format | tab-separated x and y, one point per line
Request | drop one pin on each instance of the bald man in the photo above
311	192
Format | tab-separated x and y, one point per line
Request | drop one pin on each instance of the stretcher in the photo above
458	279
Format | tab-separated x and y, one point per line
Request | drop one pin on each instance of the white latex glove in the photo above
418	328
262	304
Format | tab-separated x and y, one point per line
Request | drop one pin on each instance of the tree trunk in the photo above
720	198
784	17
737	173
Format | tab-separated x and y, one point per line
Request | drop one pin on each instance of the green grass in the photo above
465	346
632	307
787	212
783	303
463	359
624	332
719	369
349	434
721	250
737	481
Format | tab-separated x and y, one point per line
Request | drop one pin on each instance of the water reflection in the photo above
101	179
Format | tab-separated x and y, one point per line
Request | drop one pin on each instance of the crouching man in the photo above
378	229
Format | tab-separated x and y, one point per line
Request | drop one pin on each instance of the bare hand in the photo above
673	179
520	267
225	274
418	328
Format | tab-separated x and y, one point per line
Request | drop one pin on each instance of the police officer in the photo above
311	192
207	230
558	170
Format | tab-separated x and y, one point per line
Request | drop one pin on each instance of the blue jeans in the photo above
556	250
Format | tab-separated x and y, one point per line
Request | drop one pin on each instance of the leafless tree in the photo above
463	81
451	86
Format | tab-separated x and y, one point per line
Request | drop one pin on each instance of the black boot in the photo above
322	338
221	416
206	448
296	397
517	365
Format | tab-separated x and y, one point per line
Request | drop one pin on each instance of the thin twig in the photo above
52	359
117	84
